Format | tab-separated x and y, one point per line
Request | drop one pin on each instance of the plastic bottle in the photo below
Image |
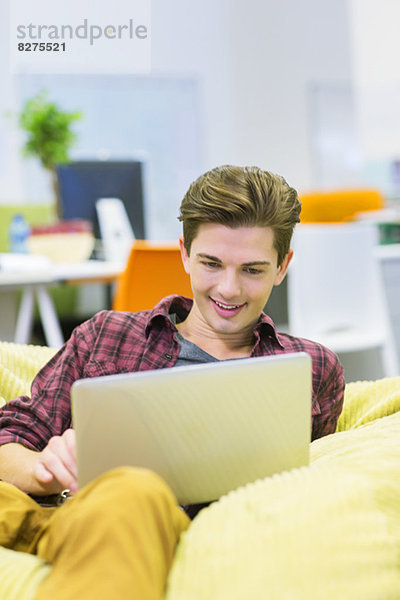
18	234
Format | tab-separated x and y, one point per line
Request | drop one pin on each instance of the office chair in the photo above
152	272
335	290
338	205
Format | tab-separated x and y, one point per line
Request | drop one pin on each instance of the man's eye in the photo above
253	271
212	265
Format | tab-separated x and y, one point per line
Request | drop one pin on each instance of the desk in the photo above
35	283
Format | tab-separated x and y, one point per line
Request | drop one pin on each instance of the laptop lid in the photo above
206	429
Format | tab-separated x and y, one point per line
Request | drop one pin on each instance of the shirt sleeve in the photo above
329	396
32	421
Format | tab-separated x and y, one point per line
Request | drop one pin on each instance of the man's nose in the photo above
229	284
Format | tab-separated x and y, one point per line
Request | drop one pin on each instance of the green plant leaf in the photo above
49	131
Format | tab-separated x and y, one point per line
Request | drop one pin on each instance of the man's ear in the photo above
184	254
280	276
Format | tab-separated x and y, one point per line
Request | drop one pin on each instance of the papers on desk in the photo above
30	269
23	269
10	262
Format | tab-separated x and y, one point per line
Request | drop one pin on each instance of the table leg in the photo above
24	324
48	315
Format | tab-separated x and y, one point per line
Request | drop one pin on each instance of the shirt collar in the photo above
170	304
265	327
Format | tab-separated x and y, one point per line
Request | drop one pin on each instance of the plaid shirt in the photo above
119	342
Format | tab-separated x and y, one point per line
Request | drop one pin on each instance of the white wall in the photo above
254	61
11	188
375	51
290	45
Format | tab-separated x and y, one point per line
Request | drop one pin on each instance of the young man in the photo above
116	537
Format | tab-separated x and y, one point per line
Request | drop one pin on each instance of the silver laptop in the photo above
206	429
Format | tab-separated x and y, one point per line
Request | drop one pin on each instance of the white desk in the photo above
35	281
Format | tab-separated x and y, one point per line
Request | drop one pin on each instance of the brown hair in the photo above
241	197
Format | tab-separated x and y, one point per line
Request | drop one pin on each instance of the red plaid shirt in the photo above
119	342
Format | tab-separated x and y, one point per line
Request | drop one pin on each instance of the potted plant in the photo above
50	134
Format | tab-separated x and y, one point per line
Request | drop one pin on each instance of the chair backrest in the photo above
334	281
338	205
152	272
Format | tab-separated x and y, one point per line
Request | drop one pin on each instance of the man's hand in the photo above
55	467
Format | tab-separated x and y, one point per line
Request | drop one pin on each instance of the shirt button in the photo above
168	356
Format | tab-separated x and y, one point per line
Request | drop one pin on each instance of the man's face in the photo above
232	274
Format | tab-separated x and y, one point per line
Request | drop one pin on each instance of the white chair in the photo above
335	291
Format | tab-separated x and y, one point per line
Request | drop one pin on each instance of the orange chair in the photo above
338	205
152	272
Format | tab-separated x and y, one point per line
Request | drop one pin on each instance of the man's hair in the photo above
241	197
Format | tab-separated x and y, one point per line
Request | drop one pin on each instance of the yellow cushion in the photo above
20	575
331	530
19	364
365	401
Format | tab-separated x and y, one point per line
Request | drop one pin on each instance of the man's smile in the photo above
222	307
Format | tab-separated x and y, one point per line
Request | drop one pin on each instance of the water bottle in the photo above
18	234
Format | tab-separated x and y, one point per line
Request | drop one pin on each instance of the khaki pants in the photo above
115	539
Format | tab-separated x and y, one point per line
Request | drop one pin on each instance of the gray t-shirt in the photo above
189	353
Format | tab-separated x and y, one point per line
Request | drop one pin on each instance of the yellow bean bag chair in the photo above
328	531
18	366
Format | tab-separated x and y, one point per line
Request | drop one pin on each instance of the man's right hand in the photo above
55	467
49	471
